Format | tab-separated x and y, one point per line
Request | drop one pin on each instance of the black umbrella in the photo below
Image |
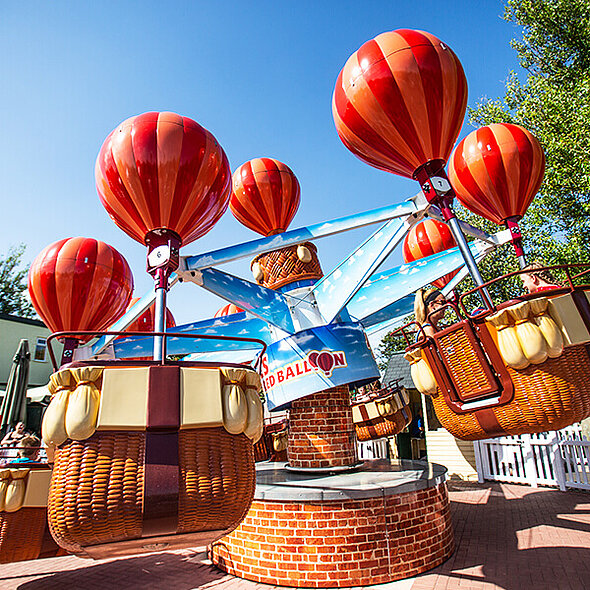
14	405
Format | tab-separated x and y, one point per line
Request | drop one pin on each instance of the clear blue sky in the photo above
258	75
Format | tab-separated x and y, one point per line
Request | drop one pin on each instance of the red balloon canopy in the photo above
80	284
497	170
161	170
145	322
400	100
265	195
228	309
429	237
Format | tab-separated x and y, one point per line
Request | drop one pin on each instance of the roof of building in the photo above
19	320
398	369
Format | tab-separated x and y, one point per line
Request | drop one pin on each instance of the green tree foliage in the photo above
553	102
13	284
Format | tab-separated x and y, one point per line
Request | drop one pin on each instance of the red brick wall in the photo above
321	431
347	543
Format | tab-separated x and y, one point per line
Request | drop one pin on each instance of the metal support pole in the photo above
160	315
469	259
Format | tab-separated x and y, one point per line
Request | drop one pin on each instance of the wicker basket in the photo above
96	503
384	426
21	534
281	267
548	396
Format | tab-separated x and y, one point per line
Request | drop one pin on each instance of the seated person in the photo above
28	449
13	437
537	280
426	302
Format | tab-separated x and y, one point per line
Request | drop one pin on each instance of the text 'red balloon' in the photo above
161	170
145	322
497	170
228	309
80	284
265	195
400	100
429	237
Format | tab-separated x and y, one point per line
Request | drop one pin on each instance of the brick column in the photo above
321	431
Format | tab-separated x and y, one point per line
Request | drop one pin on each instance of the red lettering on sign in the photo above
339	359
290	374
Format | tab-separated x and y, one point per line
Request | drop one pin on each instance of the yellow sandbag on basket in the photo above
529	334
548	327
235	407
53	428
82	410
421	374
508	343
15	492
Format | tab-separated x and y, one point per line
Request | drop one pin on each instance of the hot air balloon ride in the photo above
165	181
398	105
155	453
265	197
496	171
76	285
429	237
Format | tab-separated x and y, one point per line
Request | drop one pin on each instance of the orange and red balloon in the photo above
228	309
80	284
400	100
426	238
163	171
265	195
497	170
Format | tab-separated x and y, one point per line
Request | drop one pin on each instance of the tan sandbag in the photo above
257	272
303	254
15	492
386	407
508	342
280	440
529	334
84	402
412	357
4	481
235	406
548	327
255	422
53	428
421	373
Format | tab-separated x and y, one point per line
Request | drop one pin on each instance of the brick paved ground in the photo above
508	537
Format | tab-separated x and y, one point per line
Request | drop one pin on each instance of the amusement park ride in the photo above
150	453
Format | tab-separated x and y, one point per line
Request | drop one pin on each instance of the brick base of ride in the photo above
321	431
339	544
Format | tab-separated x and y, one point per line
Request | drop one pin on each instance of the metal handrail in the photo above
165	335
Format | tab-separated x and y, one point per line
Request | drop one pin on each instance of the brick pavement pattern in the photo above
508	537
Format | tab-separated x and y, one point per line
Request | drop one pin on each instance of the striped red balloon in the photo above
228	309
145	322
429	237
497	170
80	284
161	170
400	100
265	195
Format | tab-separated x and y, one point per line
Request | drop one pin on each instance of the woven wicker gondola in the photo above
281	267
522	370
171	483
384	414
24	533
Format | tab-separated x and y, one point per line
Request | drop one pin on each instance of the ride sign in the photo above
315	360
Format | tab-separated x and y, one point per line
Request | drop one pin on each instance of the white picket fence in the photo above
560	458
